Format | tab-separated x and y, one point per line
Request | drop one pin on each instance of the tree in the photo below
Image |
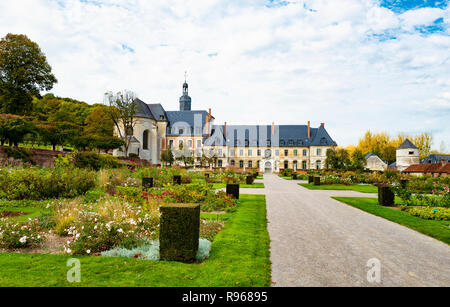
122	112
57	133
13	128
167	157
358	161
99	123
24	72
332	159
423	141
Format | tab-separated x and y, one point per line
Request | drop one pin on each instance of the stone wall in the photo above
43	158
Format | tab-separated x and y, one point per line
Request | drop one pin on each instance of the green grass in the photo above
239	257
437	229
255	185
214	216
31	213
353	187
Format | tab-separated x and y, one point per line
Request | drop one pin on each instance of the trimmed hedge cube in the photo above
310	179
177	180
249	179
147	183
316	180
294	176
179	232
233	190
385	196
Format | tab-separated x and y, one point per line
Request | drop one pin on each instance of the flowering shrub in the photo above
20	235
209	229
429	213
45	183
113	224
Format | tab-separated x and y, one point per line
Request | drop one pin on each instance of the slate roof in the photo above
407	144
436	159
188	117
374	155
158	111
289	136
143	110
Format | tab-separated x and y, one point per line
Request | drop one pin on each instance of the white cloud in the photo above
320	60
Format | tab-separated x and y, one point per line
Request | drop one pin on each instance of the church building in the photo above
268	148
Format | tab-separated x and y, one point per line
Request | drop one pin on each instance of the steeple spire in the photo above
185	100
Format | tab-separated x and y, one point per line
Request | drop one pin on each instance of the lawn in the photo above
437	229
353	187
255	185
30	212
239	257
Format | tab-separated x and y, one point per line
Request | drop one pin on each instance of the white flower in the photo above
120	230
88	251
23	240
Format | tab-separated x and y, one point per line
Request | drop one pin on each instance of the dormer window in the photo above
282	143
323	141
299	142
181	131
269	143
291	142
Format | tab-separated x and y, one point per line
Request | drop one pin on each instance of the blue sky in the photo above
353	64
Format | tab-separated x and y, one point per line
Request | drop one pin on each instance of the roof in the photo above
258	135
158	111
436	159
374	155
407	144
188	117
142	109
428	168
393	165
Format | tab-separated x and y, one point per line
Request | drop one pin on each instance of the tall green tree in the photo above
24	73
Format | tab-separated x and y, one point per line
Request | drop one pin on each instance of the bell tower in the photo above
185	100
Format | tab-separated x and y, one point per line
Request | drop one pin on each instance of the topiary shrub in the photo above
233	190
249	179
316	180
310	179
147	183
177	180
385	196
179	232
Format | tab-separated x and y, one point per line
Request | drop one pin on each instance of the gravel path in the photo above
318	241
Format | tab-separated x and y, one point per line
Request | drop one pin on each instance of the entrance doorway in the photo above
268	167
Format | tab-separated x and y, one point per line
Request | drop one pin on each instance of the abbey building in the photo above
263	147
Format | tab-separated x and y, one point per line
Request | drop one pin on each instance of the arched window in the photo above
318	163
286	164
145	140
304	165
241	164
232	162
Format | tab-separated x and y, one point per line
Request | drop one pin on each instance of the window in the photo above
180	144
250	153
246	143
282	143
269	143
295	152
286	152
190	143
145	140
241	153
295	165
198	130
299	143
181	131
304	165
259	164
305	152
411	153
318	164
241	164
250	164
199	143
286	164
232	162
259	152
291	142
219	163
319	151
171	143
220	152
323	141
232	153
277	152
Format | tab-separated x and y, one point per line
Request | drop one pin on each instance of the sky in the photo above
355	65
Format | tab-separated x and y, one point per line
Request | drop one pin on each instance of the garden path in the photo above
318	241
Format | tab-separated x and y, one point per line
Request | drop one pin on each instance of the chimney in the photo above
207	125
210	113
273	128
225	132
323	125
309	129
